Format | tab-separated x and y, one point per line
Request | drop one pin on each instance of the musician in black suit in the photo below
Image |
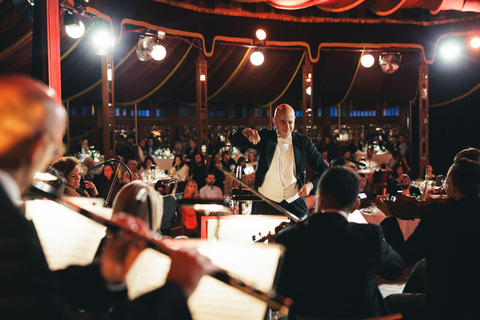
31	129
330	264
282	160
449	241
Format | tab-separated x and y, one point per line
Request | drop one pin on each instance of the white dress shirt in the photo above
280	180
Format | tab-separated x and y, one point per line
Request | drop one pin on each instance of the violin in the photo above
410	208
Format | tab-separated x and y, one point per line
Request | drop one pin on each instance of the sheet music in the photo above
357	217
241	228
67	238
212	300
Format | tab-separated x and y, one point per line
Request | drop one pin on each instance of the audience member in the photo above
70	168
189	215
28	288
141	151
363	189
431	175
330	264
405	187
394	180
179	169
219	176
403	145
109	184
199	171
227	162
83	150
148	164
449	241
136	175
190	153
150	148
252	160
210	190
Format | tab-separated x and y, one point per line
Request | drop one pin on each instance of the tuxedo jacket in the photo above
303	149
450	242
330	264
29	290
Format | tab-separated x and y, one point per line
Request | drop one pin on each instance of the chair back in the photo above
379	181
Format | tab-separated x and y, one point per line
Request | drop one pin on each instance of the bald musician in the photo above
330	264
282	161
32	123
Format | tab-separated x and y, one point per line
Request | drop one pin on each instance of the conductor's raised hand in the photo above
188	267
122	249
252	135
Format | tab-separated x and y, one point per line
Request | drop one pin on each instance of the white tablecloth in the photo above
381	158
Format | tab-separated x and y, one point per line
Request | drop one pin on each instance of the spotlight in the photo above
73	27
367	60
309	91
103	41
257	58
390	62
158	52
450	51
261	34
475	42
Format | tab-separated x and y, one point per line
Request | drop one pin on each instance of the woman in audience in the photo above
189	215
136	175
431	175
70	167
395	179
149	163
252	160
141	200
106	190
399	160
179	169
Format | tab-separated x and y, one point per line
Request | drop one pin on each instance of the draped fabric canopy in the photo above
224	34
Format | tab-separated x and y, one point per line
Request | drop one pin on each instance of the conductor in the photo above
282	161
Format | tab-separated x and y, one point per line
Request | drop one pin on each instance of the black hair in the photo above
341	184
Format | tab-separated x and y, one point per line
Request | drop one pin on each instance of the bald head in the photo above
284	120
32	123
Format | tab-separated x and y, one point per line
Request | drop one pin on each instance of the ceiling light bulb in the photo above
257	58
261	34
159	52
74	31
475	42
103	41
367	60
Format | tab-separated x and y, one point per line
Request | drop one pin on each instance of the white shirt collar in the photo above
10	186
289	137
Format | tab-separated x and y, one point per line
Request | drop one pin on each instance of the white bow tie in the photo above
285	140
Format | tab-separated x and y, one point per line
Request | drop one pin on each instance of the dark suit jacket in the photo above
450	241
330	265
303	149
29	290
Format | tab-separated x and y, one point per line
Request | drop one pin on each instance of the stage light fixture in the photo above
261	34
73	27
309	91
367	60
475	42
450	51
103	40
148	47
257	58
389	62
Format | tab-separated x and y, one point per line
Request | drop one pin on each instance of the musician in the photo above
330	264
282	159
32	124
449	240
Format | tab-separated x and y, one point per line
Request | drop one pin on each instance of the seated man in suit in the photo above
330	264
32	124
449	241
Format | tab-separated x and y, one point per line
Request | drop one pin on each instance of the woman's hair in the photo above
175	162
65	165
469	153
149	205
149	157
239	161
195	194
